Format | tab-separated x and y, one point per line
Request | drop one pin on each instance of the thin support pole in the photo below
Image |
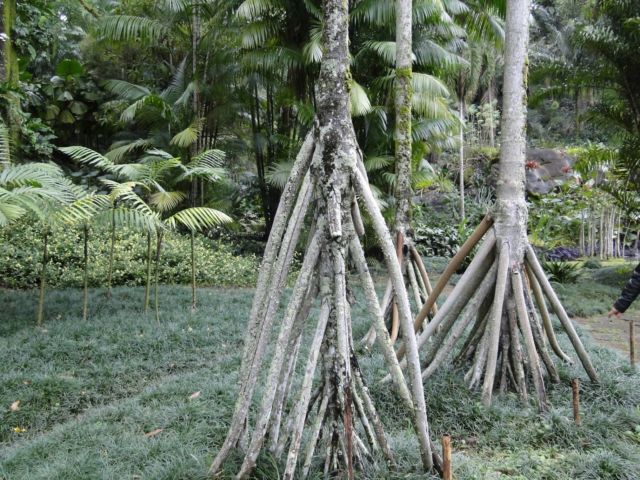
446	457
575	389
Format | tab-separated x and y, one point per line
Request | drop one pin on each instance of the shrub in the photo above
21	259
562	272
592	264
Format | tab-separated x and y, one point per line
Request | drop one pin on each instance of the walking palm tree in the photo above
507	337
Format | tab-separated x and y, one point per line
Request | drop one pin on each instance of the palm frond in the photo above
151	101
374	163
359	100
119	152
278	174
86	156
125	90
129	28
253	9
198	218
426	84
189	135
166	201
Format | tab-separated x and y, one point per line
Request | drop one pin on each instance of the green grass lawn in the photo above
90	391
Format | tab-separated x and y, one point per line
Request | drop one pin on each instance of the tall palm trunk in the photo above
492	134
111	252
10	70
43	277
10	63
461	156
403	93
85	296
157	272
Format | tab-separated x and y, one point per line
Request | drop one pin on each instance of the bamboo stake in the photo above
446	457
575	388
632	345
525	328
424	276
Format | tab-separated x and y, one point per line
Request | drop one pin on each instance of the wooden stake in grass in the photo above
575	388
632	345
446	457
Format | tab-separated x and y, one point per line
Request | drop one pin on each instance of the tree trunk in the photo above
111	252
461	110
43	277
494	347
157	273
193	273
582	235
327	180
147	288
492	142
10	57
403	98
85	296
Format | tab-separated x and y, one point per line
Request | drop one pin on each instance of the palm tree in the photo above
125	207
161	176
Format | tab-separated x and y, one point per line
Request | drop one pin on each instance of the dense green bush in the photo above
21	259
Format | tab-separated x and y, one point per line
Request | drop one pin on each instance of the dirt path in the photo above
613	333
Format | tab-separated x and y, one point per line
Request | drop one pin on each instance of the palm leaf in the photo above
198	218
166	201
278	174
359	100
189	135
125	90
128	28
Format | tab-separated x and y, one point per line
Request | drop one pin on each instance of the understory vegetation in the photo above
21	259
120	396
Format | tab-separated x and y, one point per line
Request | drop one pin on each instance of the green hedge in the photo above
21	259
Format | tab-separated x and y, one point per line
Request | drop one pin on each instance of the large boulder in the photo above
546	169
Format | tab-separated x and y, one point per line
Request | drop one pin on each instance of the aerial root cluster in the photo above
505	305
315	409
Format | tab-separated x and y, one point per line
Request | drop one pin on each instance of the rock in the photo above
546	169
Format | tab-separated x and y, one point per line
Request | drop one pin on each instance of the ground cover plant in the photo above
120	396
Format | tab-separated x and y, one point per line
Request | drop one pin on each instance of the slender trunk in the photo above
85	301
157	273
147	288
403	95
11	72
193	273
461	110
492	141
43	276
582	232
111	252
601	234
